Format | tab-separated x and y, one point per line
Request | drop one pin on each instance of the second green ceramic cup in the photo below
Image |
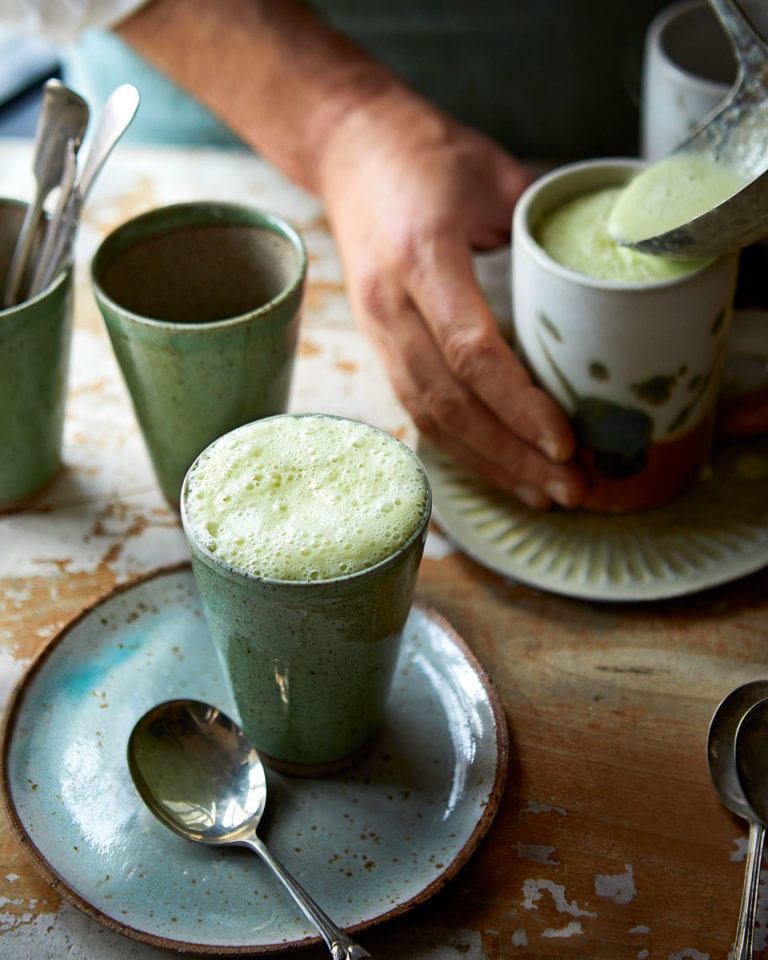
202	304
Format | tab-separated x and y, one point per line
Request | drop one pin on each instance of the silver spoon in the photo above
721	758
752	761
199	775
61	125
734	137
116	116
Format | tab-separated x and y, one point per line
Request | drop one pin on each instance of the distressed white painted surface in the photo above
106	513
617	887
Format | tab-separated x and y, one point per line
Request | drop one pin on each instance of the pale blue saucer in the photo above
369	844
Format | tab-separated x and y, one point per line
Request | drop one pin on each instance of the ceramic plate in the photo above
714	533
369	844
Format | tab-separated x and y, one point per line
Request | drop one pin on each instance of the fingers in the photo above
451	415
447	296
429	196
566	492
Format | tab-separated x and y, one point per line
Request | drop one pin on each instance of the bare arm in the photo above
410	193
274	71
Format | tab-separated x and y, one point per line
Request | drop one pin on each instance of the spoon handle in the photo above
745	930
40	278
748	46
58	242
339	944
22	250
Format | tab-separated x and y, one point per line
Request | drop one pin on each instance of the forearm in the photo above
276	73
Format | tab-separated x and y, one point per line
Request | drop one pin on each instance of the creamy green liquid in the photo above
305	498
576	235
669	193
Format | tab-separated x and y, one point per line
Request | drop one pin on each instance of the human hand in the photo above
411	195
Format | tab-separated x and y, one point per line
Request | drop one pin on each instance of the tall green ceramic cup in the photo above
202	304
35	338
306	533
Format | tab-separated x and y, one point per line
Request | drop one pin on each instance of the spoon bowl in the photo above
722	736
721	740
752	765
201	777
727	150
116	116
181	756
752	758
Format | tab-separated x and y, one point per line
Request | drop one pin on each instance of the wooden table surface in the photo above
609	843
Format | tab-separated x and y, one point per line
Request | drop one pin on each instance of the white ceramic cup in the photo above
636	367
688	69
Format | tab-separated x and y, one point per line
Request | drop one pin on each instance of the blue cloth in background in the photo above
101	61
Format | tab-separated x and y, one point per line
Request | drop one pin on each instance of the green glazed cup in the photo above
202	304
35	338
310	662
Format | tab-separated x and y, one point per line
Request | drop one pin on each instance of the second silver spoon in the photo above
721	758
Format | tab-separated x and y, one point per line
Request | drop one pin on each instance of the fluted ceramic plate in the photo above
715	532
369	844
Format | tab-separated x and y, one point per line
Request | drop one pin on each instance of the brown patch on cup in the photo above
670	467
656	390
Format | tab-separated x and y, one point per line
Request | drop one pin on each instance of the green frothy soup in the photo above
577	236
670	193
305	498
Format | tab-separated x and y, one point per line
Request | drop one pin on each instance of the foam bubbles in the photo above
305	498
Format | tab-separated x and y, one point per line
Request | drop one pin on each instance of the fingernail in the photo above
550	449
530	496
559	492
